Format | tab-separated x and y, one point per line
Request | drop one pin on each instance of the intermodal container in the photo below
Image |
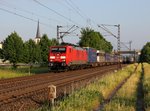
92	55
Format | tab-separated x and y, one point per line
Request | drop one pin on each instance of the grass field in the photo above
147	86
126	98
21	71
11	74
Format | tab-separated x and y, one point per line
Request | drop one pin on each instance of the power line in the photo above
54	11
128	47
22	16
61	34
68	6
105	29
26	11
72	6
75	9
79	10
89	20
125	45
84	15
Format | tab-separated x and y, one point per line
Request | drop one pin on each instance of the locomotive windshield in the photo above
58	49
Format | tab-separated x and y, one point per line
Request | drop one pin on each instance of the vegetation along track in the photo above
113	93
17	89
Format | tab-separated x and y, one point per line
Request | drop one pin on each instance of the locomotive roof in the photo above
69	44
75	47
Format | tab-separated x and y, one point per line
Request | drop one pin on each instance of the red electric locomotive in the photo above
67	57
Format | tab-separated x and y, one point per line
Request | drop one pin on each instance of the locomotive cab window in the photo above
58	49
63	49
54	49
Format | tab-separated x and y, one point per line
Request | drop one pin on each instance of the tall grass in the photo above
125	99
91	97
27	69
108	83
82	100
147	86
11	73
8	72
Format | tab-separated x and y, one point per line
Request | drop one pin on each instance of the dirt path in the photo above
140	93
113	93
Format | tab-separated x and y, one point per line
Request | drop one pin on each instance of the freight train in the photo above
69	57
128	59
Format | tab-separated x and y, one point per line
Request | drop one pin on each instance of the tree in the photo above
44	47
104	44
26	54
31	52
145	53
91	38
1	53
53	42
13	48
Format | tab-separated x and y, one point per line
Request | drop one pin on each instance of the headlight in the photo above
63	57
52	57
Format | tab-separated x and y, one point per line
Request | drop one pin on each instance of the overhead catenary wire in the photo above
75	10
61	15
66	33
128	47
88	19
104	28
22	16
125	45
78	9
8	5
70	3
90	22
82	13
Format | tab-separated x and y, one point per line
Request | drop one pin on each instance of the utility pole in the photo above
118	37
58	27
103	26
60	35
119	45
130	42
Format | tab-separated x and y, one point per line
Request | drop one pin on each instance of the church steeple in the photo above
38	31
38	36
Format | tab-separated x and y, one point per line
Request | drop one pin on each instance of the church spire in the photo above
38	31
38	36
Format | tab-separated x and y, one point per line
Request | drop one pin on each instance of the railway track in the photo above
14	90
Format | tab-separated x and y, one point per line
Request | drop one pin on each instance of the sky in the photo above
132	15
